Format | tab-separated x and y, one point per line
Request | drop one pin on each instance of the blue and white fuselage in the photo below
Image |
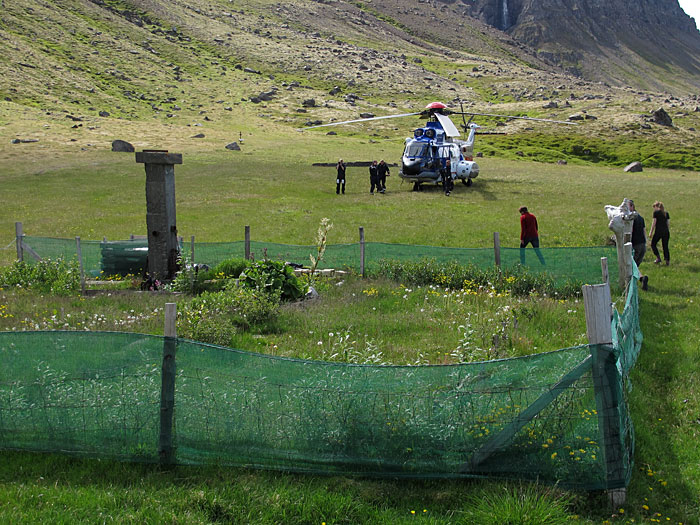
426	153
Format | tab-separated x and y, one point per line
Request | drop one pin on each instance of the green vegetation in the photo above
51	277
210	193
69	184
585	149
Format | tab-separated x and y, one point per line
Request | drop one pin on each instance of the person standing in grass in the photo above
446	175
660	231
639	241
382	172
374	177
340	179
529	234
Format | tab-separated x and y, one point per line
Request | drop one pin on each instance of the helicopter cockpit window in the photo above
414	150
418	133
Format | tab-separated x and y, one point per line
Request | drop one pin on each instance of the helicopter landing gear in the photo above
416	186
467	182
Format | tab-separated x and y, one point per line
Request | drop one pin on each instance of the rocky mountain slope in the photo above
631	42
212	62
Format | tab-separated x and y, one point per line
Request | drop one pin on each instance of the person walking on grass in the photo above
660	231
382	172
374	178
529	234
340	179
639	241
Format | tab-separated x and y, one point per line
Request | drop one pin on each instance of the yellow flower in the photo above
645	507
413	512
554	455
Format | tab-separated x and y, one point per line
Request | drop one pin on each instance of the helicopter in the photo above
426	153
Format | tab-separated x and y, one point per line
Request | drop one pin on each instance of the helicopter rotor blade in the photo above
363	120
513	116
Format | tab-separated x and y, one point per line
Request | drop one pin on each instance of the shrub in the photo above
190	279
58	277
230	268
215	317
272	277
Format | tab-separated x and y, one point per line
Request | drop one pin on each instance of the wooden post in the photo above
497	248
623	263
604	268
166	450
608	387
19	236
79	251
192	249
628	264
247	243
362	252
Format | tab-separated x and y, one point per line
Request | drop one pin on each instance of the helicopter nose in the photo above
411	166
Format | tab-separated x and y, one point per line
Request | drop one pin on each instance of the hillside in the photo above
650	44
82	70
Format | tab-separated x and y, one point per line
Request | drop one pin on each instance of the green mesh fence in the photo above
579	264
559	417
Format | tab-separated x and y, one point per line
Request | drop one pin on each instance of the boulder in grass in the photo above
633	167
662	118
233	146
122	146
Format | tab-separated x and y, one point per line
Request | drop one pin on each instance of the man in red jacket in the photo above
529	234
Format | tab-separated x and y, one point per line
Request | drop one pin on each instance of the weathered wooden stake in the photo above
497	248
192	249
628	255
607	384
79	251
604	268
247	243
19	236
166	449
362	251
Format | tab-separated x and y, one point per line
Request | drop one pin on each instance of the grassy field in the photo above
272	187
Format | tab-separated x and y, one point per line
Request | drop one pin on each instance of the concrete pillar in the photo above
160	212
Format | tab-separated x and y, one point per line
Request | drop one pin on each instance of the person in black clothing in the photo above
639	241
374	177
447	182
340	180
382	172
660	231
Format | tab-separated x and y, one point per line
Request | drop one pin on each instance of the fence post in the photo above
497	248
362	252
79	251
247	243
608	386
166	450
19	236
192	249
604	268
628	254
